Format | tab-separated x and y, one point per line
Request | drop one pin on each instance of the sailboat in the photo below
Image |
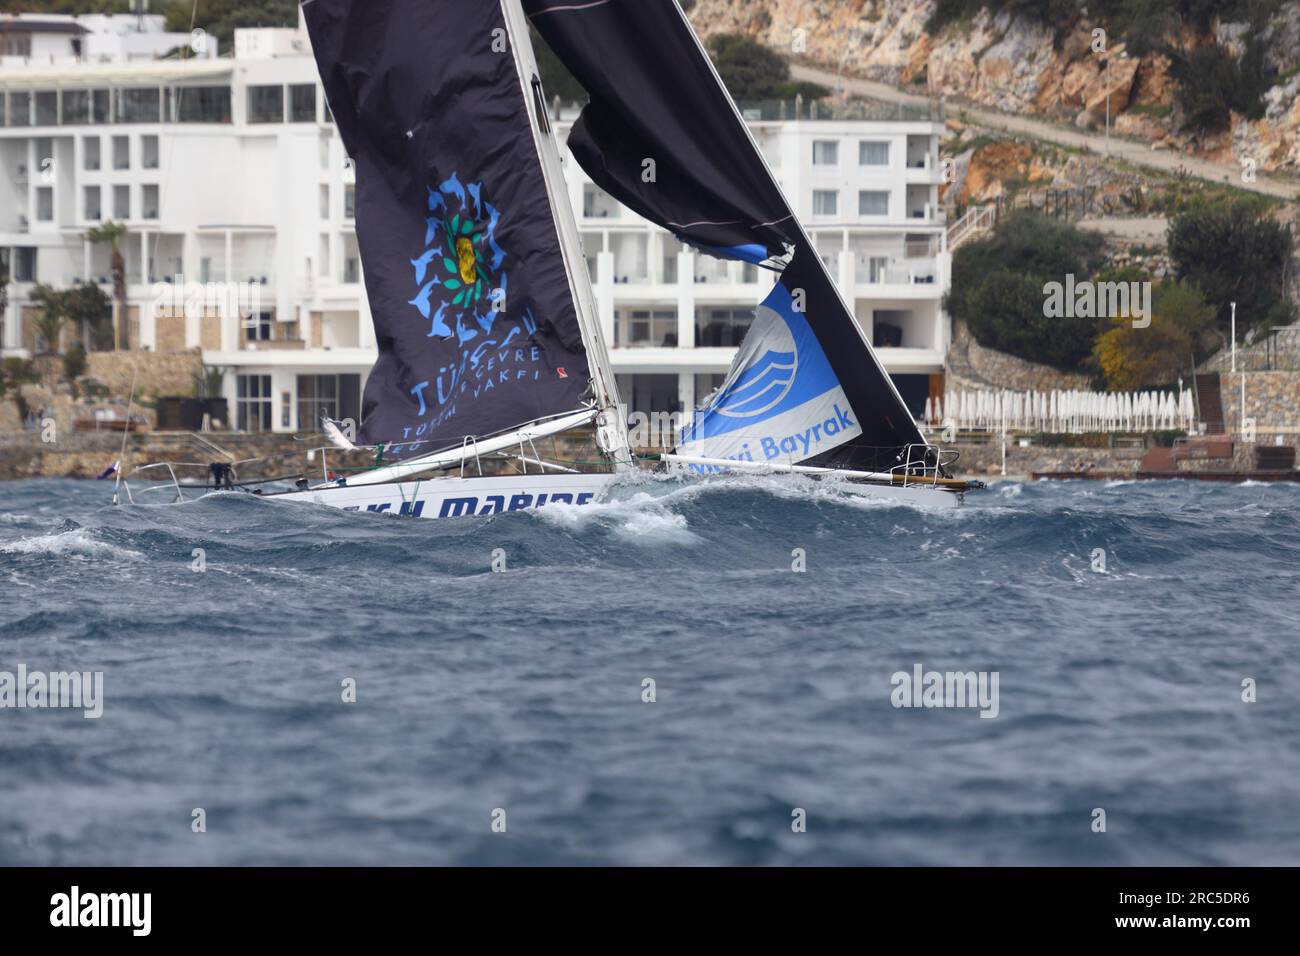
487	326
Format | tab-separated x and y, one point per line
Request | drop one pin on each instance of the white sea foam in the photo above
642	518
79	543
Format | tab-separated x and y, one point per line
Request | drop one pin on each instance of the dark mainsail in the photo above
805	382
473	309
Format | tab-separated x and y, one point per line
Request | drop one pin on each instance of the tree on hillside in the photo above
1213	84
750	71
53	304
1234	252
220	18
997	289
1133	358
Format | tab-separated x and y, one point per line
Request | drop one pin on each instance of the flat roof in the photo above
40	26
127	73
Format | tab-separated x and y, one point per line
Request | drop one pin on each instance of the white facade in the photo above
36	39
230	171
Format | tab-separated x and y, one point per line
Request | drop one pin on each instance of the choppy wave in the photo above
771	612
79	543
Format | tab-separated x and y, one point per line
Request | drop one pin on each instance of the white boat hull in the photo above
478	497
459	497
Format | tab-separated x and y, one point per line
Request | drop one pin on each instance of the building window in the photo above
90	201
328	396
253	403
149	202
651	394
121	202
257	328
47	108
15	46
873	153
149	152
90	153
351	270
266	104
100	106
826	202
121	152
647	328
302	103
324	201
76	107
873	203
25	264
44	204
20	109
826	152
722	327
139	106
350	201
202	104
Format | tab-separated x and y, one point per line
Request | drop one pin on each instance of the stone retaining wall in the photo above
1272	400
982	460
156	373
86	454
972	366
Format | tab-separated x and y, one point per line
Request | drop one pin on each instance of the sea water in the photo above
702	672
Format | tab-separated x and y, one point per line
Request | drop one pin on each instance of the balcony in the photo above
272	345
898	272
922	170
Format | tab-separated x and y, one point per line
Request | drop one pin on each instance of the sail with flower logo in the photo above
483	318
662	135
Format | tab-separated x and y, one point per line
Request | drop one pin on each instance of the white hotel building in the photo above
228	169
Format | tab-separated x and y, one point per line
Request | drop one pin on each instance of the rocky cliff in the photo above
1014	64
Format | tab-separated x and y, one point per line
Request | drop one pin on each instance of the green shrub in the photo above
997	289
74	362
1234	252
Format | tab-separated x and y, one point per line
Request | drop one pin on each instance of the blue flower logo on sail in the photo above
462	286
475	348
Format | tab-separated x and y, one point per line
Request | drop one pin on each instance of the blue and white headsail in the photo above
781	400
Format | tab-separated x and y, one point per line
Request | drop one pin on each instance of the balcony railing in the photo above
831	110
899	272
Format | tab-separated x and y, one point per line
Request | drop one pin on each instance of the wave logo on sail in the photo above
762	386
781	398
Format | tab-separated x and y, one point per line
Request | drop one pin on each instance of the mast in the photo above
612	436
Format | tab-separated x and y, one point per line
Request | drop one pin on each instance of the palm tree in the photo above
113	233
